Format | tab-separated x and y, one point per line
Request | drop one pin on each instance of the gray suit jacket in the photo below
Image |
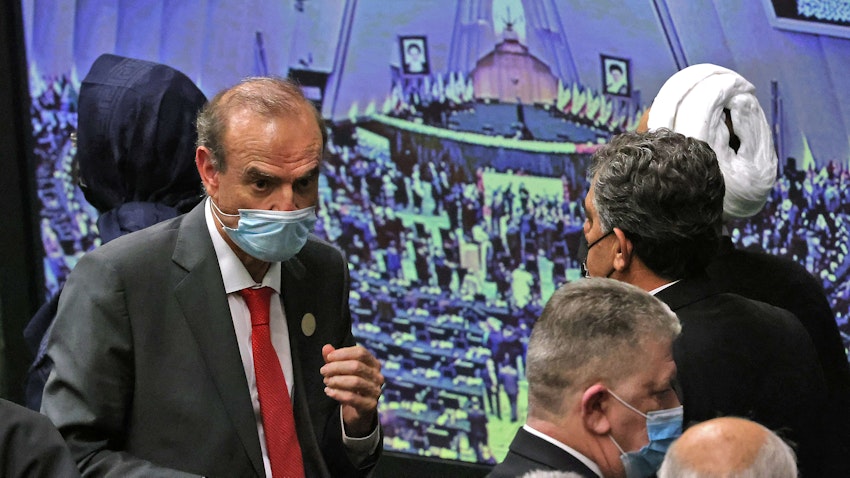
148	380
31	446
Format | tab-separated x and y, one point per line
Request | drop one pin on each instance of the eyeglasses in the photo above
584	271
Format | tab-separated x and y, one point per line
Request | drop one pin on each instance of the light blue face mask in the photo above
662	427
271	236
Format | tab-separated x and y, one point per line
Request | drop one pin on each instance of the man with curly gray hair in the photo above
654	212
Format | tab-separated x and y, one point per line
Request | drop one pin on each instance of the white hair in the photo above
692	102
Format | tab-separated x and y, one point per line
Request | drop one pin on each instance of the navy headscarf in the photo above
136	164
136	143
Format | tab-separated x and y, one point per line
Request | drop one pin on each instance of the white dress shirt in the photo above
662	287
236	277
587	461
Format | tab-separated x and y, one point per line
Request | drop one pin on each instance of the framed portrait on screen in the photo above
616	76
414	55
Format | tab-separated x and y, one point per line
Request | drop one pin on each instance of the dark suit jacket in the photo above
745	358
148	378
30	445
786	284
528	452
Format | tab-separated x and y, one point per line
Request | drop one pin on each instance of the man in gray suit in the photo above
157	338
31	446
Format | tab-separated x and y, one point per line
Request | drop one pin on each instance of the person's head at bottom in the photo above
729	447
601	375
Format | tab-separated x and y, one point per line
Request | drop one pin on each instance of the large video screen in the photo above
825	17
459	135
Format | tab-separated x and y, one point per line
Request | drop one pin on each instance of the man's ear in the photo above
625	248
206	169
594	410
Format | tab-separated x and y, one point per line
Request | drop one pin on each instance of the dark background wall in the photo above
20	283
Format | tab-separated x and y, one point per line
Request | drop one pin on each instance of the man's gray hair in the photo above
591	330
775	459
665	192
267	97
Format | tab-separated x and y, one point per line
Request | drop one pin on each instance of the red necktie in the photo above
275	405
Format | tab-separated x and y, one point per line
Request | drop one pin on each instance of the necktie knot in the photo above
258	301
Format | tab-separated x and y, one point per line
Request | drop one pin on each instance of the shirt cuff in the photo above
359	449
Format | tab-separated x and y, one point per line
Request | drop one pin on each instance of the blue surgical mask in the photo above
662	427
271	236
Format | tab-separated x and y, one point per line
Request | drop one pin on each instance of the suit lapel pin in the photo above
308	324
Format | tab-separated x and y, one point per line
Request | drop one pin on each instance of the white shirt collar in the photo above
587	461
659	289
233	273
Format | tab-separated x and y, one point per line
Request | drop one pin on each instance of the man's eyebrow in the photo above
310	174
254	174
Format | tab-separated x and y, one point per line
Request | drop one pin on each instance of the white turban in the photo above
691	102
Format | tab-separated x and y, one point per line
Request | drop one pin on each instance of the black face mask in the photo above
583	253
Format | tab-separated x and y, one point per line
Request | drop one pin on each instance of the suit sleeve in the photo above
89	394
31	446
333	449
798	392
335	452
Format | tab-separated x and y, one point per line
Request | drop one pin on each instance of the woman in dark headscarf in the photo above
135	161
136	143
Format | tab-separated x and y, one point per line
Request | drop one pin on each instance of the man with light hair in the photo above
729	447
719	106
601	398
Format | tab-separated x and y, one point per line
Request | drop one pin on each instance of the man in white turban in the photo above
717	105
